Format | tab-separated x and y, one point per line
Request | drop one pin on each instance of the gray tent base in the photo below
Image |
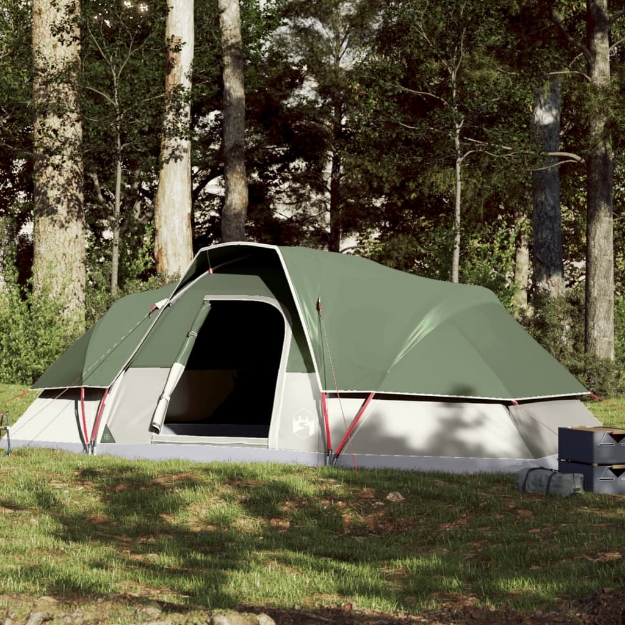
208	453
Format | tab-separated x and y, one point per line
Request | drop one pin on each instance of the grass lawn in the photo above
222	535
14	399
610	412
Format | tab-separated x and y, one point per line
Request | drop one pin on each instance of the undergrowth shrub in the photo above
33	332
558	325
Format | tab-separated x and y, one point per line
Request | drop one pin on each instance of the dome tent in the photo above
297	355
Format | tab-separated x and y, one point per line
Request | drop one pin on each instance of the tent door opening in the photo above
229	382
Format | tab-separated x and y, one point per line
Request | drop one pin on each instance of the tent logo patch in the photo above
107	437
303	424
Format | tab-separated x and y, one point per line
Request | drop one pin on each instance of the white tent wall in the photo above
403	433
459	436
538	422
132	410
56	417
413	427
299	425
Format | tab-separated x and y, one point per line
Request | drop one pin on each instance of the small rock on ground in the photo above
238	618
37	618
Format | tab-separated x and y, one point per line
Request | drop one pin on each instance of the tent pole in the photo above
326	421
352	427
84	419
98	418
178	366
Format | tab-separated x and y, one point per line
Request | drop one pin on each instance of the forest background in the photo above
482	143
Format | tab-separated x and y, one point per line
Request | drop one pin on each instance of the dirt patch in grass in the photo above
605	607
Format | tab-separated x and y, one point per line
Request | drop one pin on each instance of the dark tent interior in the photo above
229	383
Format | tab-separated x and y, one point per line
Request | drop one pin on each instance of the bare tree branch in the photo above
421	93
486	143
104	95
617	43
570	72
616	17
554	165
461	159
574	157
98	190
565	33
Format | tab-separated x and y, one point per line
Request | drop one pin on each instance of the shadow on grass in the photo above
227	535
223	536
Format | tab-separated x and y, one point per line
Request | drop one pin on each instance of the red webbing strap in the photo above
326	420
352	427
610	403
98	418
8	401
84	417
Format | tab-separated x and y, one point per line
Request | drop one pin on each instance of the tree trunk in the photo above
455	263
599	234
235	205
172	210
334	238
521	264
118	190
116	212
546	216
59	229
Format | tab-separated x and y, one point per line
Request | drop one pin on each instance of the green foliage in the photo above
15	111
619	330
487	255
136	274
136	270
33	332
122	87
487	259
602	376
558	325
425	253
